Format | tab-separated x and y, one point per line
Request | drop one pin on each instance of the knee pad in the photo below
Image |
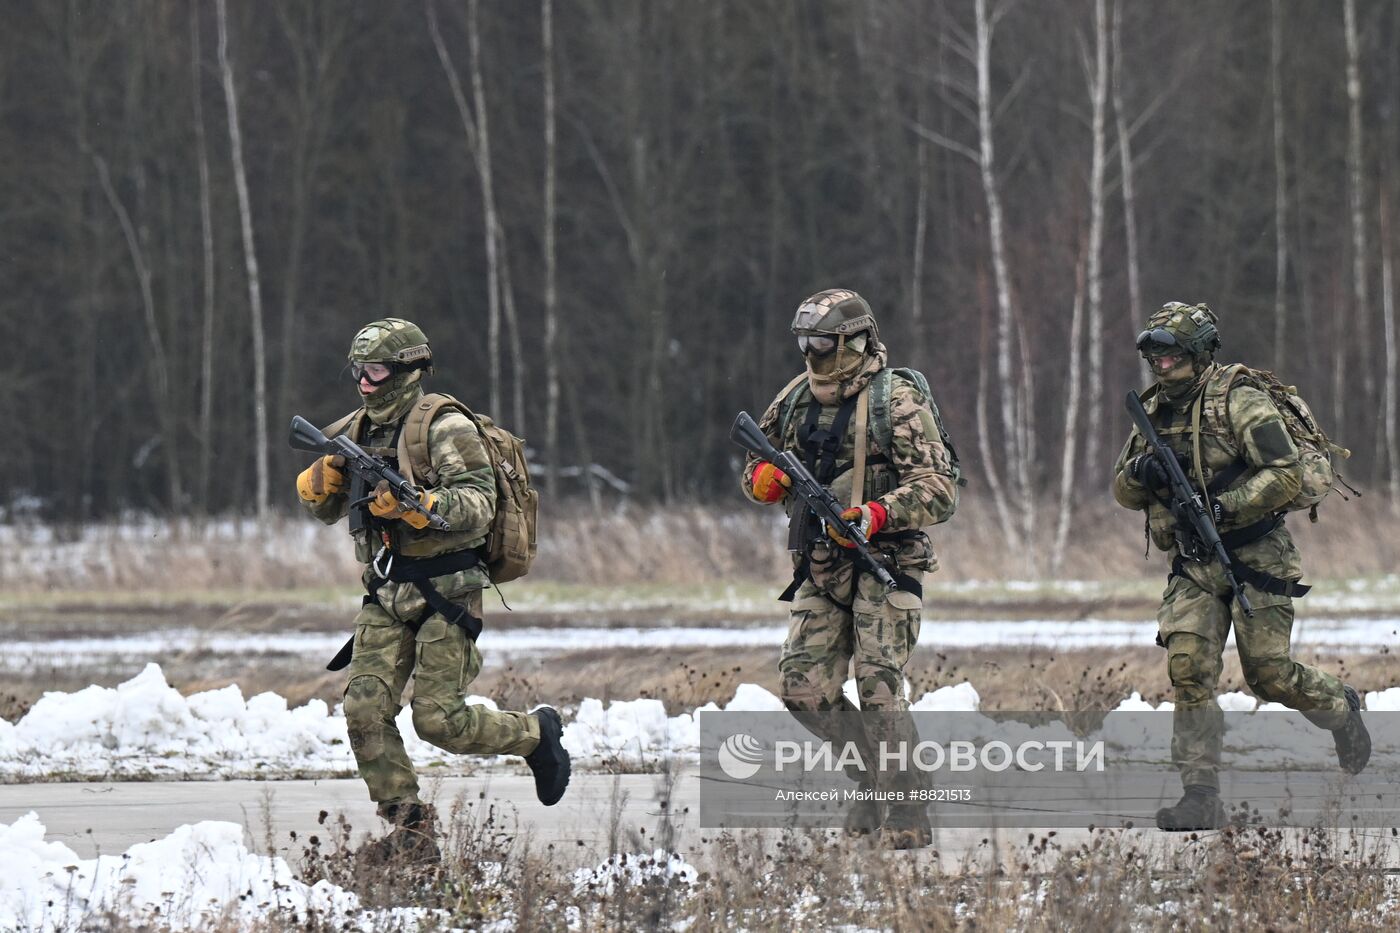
430	722
1270	680
807	691
1189	666
881	688
367	702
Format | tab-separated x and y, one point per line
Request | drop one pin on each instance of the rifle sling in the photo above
1245	574
420	572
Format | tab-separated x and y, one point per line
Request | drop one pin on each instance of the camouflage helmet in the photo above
1180	326
393	341
835	312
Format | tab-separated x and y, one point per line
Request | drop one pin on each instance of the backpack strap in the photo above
862	447
788	404
352	426
414	457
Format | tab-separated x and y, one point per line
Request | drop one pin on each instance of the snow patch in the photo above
198	875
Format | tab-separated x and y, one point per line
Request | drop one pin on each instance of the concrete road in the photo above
600	814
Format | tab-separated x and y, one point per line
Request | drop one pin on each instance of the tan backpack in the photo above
1316	450
511	542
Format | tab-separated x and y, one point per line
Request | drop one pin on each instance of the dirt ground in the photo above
1006	677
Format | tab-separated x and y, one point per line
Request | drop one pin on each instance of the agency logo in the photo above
740	756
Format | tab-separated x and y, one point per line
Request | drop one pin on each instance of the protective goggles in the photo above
817	344
1158	342
375	374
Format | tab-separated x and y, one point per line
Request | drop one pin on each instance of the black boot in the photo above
1352	740
1198	808
907	827
411	843
549	761
865	815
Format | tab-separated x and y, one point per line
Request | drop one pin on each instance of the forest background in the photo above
604	212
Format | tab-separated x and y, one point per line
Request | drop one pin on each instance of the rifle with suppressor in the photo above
368	467
1187	503
813	494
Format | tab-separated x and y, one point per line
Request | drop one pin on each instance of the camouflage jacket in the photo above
1242	433
465	496
915	484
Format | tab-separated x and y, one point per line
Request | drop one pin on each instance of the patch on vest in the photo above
1272	442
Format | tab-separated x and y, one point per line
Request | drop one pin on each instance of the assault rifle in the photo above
813	494
1186	501
368	467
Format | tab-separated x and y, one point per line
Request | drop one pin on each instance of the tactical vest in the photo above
1221	452
824	437
391	441
510	544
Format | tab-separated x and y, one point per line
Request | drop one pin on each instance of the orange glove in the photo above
386	505
872	517
769	483
321	480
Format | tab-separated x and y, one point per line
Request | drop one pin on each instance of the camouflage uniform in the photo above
841	614
1251	466
389	644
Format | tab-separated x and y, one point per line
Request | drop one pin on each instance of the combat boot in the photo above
907	827
411	843
1353	741
1198	808
865	815
550	760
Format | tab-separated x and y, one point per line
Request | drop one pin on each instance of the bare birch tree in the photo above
1098	95
551	294
1280	189
1013	410
1390	413
250	259
1361	301
158	363
206	231
1125	168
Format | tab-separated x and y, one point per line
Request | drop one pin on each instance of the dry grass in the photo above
628	544
494	877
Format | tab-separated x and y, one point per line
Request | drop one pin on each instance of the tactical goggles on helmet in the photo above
1158	341
362	371
817	344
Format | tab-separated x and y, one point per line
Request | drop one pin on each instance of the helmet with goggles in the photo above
387	347
829	319
1180	328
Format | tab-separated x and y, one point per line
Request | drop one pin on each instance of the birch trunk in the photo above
1280	191
1069	442
160	367
488	203
1093	453
206	231
1391	411
551	295
250	258
495	229
1012	435
1360	294
1125	162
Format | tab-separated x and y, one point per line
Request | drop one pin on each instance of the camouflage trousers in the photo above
1194	621
846	620
442	661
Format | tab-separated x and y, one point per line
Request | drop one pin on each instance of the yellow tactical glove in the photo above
386	505
321	480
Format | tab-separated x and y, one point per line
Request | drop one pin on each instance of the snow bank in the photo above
144	728
196	876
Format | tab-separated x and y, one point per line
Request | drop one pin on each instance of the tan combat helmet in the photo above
834	314
1179	326
398	343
